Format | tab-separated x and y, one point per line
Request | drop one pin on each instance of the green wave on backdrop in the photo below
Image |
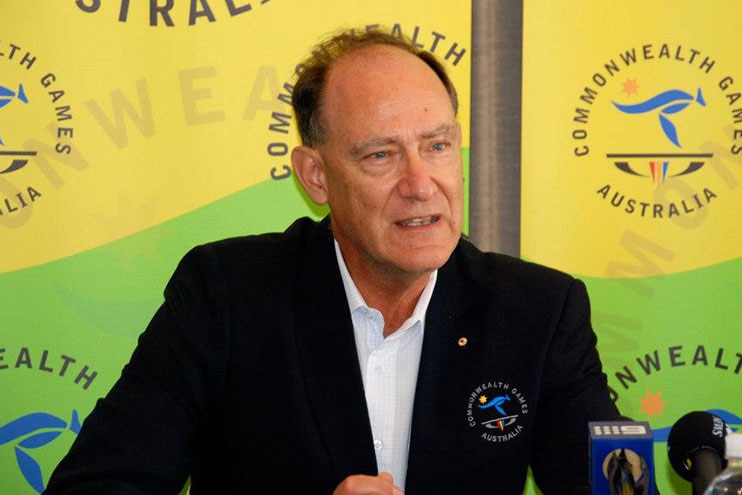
671	325
690	306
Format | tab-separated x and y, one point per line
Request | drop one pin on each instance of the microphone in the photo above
695	448
621	458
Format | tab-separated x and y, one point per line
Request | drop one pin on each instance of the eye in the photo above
379	155
439	146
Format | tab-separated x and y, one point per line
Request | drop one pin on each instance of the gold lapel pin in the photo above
463	341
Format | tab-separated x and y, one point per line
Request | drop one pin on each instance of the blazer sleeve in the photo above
140	438
574	392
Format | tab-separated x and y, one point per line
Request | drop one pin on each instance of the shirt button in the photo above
378	444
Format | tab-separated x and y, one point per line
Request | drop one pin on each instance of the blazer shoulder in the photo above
507	272
268	245
267	255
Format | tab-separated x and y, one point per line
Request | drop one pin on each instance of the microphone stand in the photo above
706	465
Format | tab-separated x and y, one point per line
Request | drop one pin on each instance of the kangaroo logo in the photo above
495	411
667	103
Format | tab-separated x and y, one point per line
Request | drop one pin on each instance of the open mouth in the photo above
418	222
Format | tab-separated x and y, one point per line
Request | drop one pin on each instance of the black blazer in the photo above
248	372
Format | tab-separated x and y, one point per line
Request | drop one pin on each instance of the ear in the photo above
307	164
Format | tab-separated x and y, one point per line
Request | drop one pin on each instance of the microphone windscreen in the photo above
692	432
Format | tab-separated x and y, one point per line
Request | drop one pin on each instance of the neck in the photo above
394	299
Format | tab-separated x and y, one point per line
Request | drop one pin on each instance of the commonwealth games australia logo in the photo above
496	408
652	126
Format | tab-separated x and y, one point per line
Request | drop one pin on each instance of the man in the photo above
373	352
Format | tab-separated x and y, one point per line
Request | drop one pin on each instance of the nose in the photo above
416	181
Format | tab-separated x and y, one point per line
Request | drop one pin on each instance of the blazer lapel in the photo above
327	351
449	344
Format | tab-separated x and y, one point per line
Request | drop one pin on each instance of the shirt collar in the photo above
356	301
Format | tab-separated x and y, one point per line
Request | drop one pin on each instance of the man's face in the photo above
391	163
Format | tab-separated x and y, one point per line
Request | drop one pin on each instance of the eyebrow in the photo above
360	148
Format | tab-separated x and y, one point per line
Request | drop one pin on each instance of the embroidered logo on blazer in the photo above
496	408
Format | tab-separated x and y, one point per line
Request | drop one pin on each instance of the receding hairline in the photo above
335	47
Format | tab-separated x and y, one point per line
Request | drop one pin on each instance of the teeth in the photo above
418	222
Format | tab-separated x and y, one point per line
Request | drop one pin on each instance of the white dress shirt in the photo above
389	369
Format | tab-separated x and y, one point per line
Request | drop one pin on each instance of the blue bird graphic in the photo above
668	103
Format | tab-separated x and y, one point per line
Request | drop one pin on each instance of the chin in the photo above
426	259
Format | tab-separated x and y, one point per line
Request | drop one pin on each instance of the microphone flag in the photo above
621	458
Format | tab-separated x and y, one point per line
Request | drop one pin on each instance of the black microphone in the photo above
695	447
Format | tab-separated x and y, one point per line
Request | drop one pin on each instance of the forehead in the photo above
378	63
382	83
